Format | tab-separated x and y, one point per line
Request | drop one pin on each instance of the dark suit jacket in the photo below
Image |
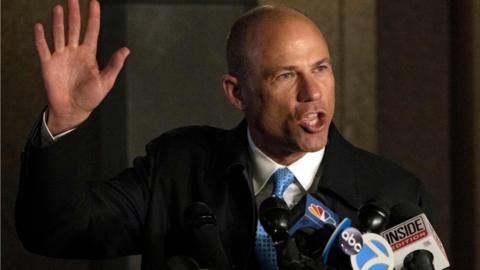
62	212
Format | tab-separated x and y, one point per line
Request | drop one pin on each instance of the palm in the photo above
72	79
74	83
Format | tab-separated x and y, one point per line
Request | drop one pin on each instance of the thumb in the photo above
110	72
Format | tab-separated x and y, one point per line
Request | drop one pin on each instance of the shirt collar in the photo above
304	169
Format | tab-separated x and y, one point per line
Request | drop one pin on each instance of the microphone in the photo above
374	254
419	260
312	242
412	238
359	251
311	213
312	224
274	216
373	216
199	216
348	245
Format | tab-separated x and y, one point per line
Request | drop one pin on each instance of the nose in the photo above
309	89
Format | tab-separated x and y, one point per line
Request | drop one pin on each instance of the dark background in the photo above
407	82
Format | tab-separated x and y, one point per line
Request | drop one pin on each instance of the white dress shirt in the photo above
47	138
304	170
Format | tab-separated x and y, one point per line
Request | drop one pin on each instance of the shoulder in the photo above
378	167
187	141
389	181
190	135
366	164
379	177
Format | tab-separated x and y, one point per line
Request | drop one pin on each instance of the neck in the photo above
280	156
284	159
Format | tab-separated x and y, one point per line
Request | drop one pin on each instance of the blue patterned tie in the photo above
264	249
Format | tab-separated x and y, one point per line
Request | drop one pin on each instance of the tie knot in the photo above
281	178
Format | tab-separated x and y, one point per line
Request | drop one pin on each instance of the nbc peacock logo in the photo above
320	213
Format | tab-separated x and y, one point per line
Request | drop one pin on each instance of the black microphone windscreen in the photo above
311	242
201	218
373	216
274	216
419	260
198	214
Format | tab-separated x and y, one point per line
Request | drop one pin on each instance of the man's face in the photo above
290	97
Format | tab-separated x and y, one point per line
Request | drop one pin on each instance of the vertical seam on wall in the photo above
341	59
375	77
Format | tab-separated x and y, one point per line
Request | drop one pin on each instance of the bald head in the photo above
254	27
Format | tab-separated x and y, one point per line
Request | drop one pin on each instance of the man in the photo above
281	78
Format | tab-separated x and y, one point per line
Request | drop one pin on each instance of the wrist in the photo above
58	123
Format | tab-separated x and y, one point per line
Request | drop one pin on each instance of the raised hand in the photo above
74	83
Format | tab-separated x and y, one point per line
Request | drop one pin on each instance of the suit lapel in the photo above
337	174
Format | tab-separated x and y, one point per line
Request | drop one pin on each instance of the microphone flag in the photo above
375	254
415	234
312	213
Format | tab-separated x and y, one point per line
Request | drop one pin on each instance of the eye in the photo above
285	76
320	68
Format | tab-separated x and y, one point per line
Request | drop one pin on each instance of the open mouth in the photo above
312	121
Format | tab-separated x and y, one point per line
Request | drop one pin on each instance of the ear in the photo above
233	92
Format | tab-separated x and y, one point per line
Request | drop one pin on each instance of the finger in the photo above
115	64
41	43
58	28
73	22
93	25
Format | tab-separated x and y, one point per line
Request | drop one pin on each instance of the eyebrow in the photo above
325	60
